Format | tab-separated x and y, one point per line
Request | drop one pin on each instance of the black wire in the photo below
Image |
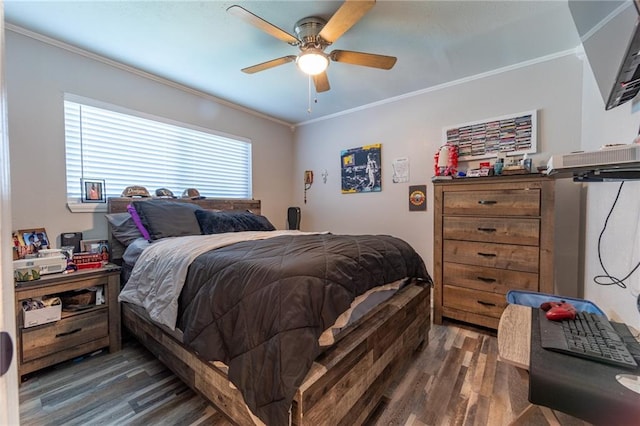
599	279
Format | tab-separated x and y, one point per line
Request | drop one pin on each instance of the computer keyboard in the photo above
589	336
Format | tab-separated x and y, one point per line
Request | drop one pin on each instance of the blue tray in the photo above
535	299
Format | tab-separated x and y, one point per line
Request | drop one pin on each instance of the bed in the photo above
342	384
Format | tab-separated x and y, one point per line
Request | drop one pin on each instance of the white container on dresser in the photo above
491	235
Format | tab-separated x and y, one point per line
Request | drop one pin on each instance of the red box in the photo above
89	265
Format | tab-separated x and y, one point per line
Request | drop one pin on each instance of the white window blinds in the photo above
125	150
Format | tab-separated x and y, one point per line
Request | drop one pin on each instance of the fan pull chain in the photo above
315	99
309	96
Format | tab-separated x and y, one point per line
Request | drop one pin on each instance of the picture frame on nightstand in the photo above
29	242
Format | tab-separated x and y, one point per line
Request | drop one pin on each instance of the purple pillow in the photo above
136	219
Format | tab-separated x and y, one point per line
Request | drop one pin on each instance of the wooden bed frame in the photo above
344	385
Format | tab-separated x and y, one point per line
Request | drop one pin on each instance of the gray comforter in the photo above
260	306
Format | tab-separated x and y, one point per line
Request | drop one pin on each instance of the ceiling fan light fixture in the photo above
313	61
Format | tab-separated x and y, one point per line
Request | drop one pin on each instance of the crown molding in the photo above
85	53
542	59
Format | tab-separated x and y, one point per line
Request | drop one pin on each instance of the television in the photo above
611	39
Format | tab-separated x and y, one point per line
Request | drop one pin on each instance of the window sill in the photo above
77	207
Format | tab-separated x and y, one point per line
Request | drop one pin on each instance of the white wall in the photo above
412	127
38	74
571	117
620	248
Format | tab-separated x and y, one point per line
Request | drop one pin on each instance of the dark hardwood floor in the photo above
455	380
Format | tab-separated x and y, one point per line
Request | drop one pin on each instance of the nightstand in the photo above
76	333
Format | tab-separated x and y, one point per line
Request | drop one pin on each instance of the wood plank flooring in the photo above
455	380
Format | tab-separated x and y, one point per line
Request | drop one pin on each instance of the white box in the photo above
41	316
47	265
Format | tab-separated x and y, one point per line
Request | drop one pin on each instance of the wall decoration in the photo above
361	169
511	135
417	198
28	242
93	191
400	170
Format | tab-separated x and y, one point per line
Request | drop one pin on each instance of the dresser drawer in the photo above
474	301
494	230
488	279
504	256
67	333
509	202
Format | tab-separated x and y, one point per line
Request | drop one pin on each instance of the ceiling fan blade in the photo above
364	59
260	23
321	81
345	17
269	64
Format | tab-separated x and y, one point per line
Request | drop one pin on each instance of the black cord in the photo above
611	280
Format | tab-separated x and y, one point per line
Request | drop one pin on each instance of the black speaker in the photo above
71	239
293	218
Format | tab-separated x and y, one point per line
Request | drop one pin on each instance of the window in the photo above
126	148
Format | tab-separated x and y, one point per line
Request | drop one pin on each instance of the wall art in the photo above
510	135
361	169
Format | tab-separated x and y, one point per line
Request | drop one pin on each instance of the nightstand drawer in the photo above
488	279
505	256
64	334
510	202
494	230
475	301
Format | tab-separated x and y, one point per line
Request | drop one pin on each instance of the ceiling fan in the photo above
314	34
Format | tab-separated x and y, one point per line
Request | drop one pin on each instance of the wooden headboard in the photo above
119	205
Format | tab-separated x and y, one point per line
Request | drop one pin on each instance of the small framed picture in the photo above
93	191
93	246
28	242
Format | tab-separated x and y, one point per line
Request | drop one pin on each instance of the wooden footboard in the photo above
344	385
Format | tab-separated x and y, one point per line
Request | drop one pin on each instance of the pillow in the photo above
164	218
123	228
212	222
136	219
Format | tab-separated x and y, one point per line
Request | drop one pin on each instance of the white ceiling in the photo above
199	45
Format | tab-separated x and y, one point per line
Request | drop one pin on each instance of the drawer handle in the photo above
486	202
487	280
487	229
68	332
486	303
487	254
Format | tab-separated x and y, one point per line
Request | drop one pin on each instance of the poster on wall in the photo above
418	198
400	170
510	135
361	169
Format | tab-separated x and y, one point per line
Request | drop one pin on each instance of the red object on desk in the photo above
558	311
89	265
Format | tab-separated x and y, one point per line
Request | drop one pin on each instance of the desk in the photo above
582	388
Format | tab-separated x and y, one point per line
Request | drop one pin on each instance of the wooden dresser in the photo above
491	235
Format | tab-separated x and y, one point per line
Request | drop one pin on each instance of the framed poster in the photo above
417	198
361	169
93	191
510	135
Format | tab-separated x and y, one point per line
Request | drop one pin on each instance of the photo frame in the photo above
93	191
28	242
96	246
